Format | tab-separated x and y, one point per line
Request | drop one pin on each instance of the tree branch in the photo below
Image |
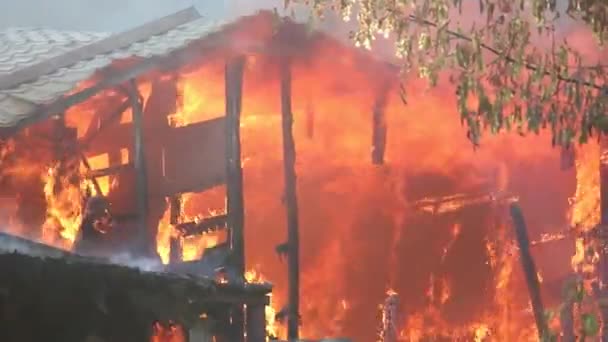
493	50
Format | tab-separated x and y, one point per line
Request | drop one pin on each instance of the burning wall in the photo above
359	233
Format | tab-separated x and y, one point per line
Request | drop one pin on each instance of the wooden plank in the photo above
194	158
291	203
205	225
108	171
101	47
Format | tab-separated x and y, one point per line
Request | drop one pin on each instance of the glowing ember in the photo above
170	333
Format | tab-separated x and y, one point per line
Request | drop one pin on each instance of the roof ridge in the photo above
101	46
31	28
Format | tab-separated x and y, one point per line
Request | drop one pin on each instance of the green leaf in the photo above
462	56
590	324
601	123
424	41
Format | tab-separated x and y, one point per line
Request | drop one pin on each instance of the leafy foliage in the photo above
505	78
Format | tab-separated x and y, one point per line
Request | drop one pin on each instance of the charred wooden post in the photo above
234	178
175	250
530	272
256	323
566	318
141	183
291	203
234	172
389	331
58	132
379	127
176	209
175	246
90	174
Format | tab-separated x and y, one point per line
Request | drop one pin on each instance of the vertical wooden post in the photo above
603	234
256	323
234	171
521	233
566	318
175	209
390	319
234	178
59	130
379	127
141	182
291	203
175	246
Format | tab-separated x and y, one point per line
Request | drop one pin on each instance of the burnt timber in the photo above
530	271
291	202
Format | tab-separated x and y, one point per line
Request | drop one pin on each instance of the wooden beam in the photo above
101	47
234	172
108	171
115	116
86	164
113	78
530	273
205	225
141	182
291	202
379	127
234	180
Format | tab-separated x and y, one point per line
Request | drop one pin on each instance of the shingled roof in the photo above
40	66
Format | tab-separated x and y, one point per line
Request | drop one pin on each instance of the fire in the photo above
360	223
64	210
170	333
585	210
192	247
273	328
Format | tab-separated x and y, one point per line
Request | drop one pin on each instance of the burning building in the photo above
389	197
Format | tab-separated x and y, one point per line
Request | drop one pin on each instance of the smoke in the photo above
143	264
12	244
94	15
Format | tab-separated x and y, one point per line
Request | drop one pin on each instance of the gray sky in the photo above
114	15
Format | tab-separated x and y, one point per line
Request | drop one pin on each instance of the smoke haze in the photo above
114	15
